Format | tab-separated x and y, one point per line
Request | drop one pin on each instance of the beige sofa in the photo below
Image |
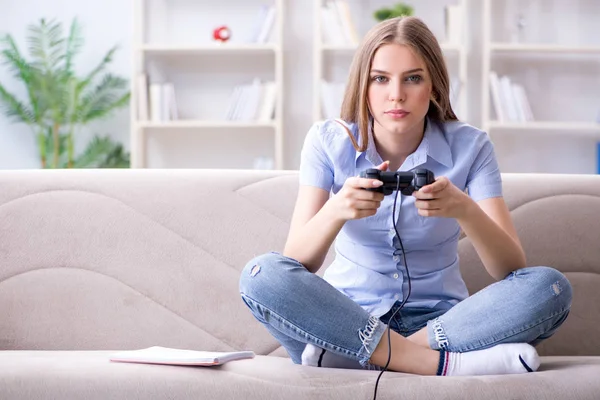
94	261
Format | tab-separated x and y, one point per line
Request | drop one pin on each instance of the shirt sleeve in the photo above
484	180
316	168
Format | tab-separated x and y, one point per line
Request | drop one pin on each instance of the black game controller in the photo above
409	181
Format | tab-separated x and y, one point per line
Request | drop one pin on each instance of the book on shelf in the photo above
338	27
171	356
157	101
509	100
263	24
156	106
252	102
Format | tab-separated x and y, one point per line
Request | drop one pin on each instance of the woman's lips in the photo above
397	113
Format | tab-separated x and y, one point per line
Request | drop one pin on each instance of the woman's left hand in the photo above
442	199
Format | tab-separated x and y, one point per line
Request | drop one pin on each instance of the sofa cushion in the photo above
90	375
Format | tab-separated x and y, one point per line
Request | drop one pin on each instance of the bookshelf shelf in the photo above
544	48
525	86
220	89
211	49
191	124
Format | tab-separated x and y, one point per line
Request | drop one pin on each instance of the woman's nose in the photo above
397	93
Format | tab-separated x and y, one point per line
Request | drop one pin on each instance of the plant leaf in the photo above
75	43
116	158
108	57
24	71
104	98
16	110
100	151
46	44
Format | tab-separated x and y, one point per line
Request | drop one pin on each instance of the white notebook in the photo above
165	355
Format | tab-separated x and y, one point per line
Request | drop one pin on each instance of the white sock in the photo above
509	358
317	357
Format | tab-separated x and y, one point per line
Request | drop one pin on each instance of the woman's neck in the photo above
396	147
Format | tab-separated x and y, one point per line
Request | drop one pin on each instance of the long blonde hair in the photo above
409	31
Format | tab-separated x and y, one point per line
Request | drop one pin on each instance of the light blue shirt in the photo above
368	267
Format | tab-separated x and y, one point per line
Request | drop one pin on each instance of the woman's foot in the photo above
509	358
317	357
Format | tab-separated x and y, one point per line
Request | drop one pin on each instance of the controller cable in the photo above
409	287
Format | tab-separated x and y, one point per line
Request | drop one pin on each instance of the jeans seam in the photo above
298	330
526	328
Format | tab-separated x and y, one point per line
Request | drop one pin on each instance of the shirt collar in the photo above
433	144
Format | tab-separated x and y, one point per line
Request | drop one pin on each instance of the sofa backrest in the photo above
121	259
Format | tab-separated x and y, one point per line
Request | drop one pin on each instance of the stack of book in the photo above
252	102
509	100
157	102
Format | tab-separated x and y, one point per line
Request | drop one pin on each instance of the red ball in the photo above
222	33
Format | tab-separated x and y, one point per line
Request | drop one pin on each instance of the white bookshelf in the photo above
555	57
191	124
543	48
214	49
332	61
172	43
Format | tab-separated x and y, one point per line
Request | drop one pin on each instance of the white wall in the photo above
105	23
108	22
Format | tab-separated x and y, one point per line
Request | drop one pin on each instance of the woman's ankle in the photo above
406	356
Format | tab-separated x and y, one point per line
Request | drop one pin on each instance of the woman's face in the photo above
399	90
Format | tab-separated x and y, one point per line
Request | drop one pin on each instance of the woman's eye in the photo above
414	78
379	79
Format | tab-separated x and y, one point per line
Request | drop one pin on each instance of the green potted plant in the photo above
398	10
58	101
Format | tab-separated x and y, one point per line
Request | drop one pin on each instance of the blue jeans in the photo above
299	307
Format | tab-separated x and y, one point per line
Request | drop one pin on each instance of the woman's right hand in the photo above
353	201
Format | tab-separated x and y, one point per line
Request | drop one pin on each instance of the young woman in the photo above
396	115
